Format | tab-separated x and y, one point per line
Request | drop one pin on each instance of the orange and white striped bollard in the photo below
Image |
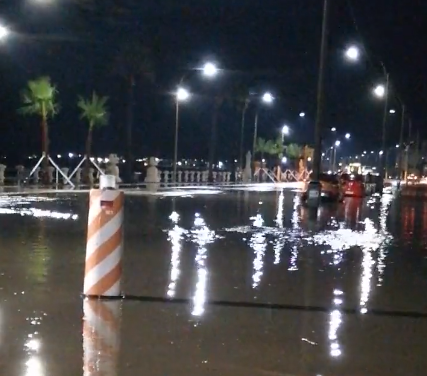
101	337
104	248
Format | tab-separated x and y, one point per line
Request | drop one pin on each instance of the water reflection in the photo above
384	213
34	365
201	235
335	321
175	236
295	231
258	242
22	206
280	242
101	337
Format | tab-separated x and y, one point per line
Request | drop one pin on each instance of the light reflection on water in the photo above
33	364
201	235
175	236
293	261
335	321
23	206
258	243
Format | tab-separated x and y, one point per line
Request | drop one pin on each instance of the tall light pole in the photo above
208	70
402	128
268	99
314	185
242	132
285	132
334	158
181	95
381	91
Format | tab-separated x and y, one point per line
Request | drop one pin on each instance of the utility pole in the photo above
314	186
384	134
401	150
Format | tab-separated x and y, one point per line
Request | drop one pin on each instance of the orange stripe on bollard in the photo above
104	246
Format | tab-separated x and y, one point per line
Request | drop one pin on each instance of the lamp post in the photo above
314	186
209	70
381	91
268	99
242	132
285	132
334	156
181	96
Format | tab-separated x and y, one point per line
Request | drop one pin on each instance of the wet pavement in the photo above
248	248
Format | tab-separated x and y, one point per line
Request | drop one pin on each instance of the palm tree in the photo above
133	62
293	151
39	98
94	111
263	146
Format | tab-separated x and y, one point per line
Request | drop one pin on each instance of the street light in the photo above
210	70
392	111
379	91
181	95
352	53
285	130
268	99
4	32
302	114
333	129
334	153
347	136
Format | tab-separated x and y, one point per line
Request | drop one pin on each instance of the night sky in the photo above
268	45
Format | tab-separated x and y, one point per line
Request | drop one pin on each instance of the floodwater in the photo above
360	271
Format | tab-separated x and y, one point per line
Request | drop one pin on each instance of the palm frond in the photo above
39	94
94	109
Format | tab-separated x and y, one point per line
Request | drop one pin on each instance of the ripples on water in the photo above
336	232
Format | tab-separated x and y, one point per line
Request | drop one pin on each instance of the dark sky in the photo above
271	45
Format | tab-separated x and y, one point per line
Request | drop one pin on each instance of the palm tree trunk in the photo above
88	153
212	145
242	136
129	130
45	144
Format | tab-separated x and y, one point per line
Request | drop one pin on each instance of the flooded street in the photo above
341	295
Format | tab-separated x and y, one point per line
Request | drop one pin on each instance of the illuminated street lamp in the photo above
334	153
302	114
352	53
285	131
266	98
347	136
4	32
392	111
181	95
333	129
210	70
380	91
